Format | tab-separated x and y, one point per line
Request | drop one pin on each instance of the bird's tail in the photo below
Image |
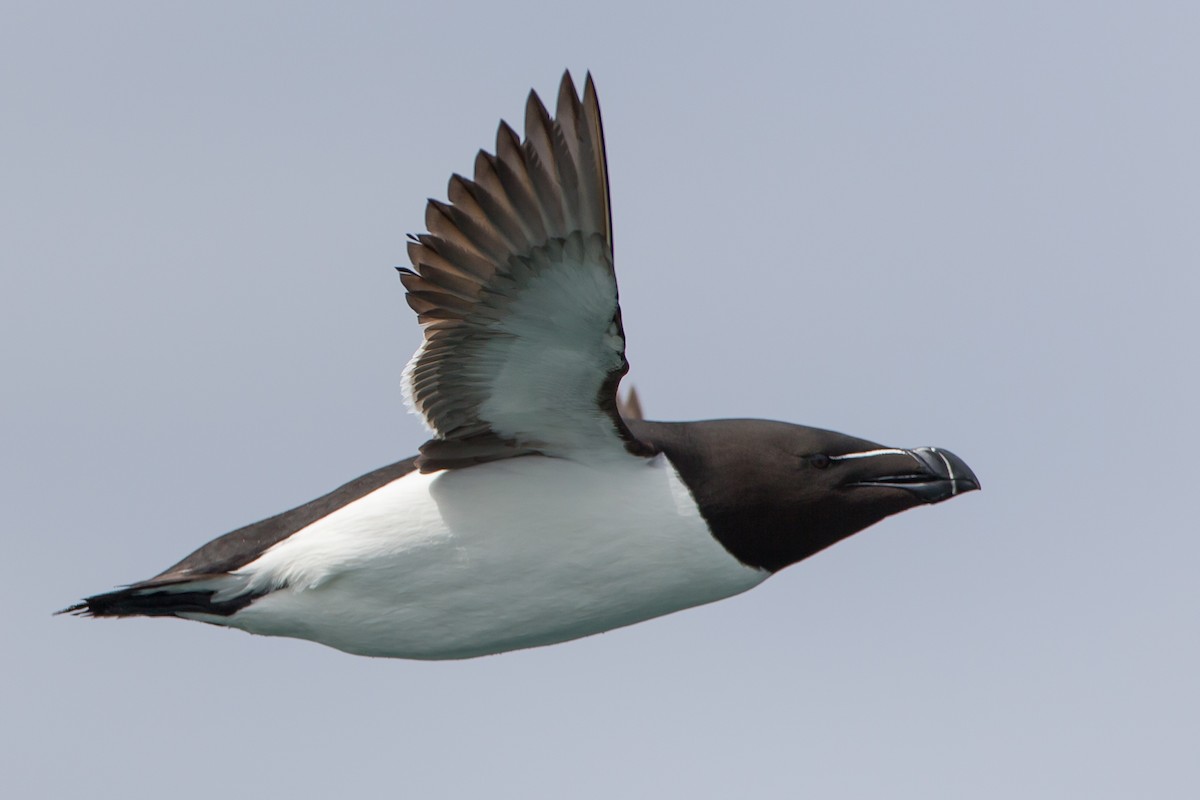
159	599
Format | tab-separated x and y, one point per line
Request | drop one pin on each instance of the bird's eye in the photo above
820	460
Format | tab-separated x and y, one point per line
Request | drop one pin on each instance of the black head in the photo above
775	493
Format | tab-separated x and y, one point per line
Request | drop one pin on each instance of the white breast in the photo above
506	555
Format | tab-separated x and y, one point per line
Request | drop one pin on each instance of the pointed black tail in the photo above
150	600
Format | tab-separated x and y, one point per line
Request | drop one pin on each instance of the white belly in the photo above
511	554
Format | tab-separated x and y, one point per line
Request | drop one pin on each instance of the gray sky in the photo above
936	224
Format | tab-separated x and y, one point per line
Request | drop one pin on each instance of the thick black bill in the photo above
937	475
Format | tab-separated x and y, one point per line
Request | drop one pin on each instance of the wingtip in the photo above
534	102
536	115
567	105
506	136
631	406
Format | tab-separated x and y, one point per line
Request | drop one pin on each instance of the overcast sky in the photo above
965	225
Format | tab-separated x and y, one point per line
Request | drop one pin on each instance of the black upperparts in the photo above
226	553
240	547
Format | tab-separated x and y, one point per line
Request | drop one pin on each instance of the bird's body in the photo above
505	555
538	512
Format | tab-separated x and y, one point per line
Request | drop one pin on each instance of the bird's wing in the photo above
514	287
631	405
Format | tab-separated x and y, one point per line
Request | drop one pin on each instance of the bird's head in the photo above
776	493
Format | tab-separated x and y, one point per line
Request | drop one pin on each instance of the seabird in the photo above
537	512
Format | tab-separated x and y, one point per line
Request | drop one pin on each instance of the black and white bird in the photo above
537	513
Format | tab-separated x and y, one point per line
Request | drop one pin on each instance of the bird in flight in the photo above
537	512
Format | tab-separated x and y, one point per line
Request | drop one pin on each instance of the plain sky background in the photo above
957	224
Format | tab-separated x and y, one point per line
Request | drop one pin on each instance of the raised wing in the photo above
515	289
630	407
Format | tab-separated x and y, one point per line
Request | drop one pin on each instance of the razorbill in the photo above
537	512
